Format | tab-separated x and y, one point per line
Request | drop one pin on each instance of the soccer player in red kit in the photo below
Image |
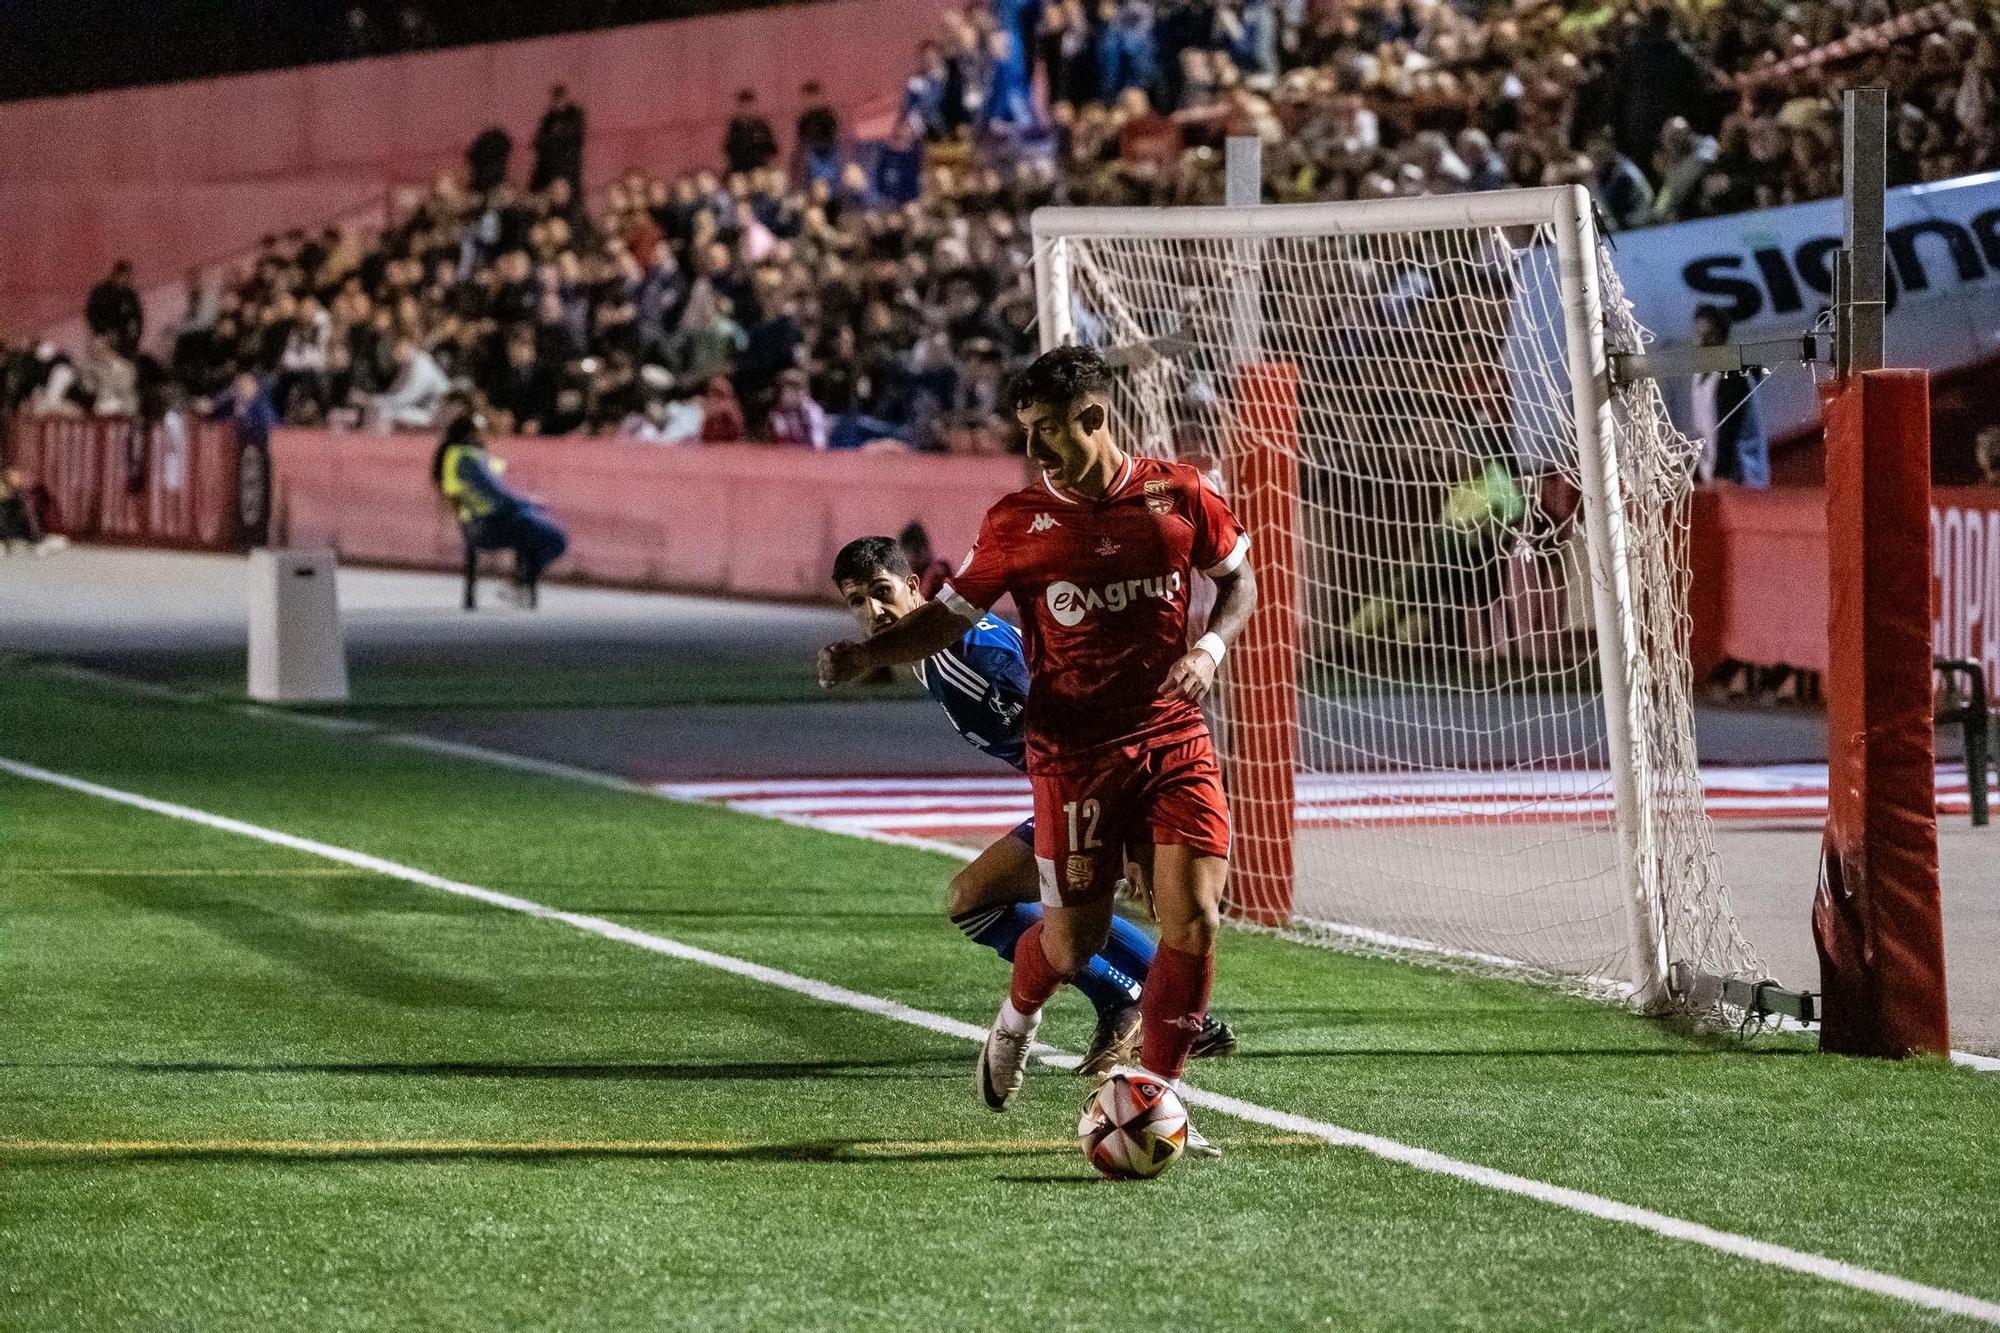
1099	555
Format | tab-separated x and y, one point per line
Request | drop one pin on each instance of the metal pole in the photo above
1243	170
1859	298
1619	653
1243	187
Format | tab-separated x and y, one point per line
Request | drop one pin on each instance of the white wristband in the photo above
1213	645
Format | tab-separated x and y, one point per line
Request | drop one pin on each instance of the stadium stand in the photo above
888	260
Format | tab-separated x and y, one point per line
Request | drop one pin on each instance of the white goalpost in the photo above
1461	721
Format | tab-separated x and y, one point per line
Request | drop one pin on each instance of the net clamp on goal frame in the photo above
1812	347
1759	999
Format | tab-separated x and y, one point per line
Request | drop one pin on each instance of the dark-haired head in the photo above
1062	402
915	539
1061	377
463	429
874	579
860	558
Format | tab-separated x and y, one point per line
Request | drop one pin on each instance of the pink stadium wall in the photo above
751	520
188	174
1760	576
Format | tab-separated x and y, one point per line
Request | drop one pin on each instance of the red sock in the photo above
1174	1008
1034	980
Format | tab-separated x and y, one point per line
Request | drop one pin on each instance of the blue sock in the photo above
1107	988
999	928
1129	949
1104	981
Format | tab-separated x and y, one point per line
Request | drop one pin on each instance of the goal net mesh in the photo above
1453	788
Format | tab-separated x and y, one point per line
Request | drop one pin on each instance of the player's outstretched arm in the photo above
931	628
1235	598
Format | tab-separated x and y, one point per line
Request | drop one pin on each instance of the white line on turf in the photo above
1423	1159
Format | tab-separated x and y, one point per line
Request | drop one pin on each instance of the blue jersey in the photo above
982	684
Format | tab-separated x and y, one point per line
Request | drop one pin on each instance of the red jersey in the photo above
1102	586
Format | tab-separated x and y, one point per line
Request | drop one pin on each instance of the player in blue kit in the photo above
982	684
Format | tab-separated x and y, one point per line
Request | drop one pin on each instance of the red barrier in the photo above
739	519
170	483
1760	567
1876	916
1761	583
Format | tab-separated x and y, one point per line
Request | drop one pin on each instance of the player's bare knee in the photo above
968	891
1063	954
1195	934
1069	945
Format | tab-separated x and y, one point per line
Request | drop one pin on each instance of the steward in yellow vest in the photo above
492	517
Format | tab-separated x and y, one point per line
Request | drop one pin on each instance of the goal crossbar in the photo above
1493	208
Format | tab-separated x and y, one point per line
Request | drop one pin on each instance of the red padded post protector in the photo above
1876	918
1261	686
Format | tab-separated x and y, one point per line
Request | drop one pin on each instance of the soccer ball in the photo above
1133	1127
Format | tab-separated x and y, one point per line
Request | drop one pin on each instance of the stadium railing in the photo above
171	482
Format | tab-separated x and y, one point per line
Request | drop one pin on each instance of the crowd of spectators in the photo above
835	294
1665	113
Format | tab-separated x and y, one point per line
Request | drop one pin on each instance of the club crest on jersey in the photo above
1043	523
1157	498
1069	603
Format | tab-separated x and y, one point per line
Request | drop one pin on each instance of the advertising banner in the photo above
1771	272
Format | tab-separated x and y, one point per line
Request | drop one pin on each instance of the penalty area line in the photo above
1830	1270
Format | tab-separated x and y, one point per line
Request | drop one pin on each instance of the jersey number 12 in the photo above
1088	809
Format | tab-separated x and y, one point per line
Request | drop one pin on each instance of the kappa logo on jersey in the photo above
1069	603
1043	523
1107	547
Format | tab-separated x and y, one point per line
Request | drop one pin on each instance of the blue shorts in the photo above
1024	833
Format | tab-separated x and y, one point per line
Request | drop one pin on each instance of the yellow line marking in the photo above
864	1148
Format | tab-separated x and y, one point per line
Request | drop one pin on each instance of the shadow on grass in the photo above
293	942
530	703
836	1152
1519	1053
685	1072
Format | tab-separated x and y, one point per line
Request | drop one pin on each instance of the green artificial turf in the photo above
457	678
375	1105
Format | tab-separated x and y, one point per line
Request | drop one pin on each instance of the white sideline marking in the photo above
1423	1159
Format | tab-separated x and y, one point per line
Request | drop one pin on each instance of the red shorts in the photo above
1084	820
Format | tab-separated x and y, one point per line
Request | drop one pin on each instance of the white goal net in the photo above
1469	691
